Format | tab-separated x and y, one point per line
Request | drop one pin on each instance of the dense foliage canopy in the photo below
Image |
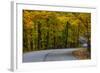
51	30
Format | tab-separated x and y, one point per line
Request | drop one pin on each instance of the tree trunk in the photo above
54	40
47	42
66	33
78	30
28	44
39	36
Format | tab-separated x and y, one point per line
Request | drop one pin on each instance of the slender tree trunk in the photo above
66	33
54	39
29	44
39	36
35	40
47	37
78	30
47	42
25	48
31	41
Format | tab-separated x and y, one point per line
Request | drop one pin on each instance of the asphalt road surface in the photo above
49	55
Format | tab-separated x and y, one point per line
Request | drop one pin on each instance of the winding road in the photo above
49	55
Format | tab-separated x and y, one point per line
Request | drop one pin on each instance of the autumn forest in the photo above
43	30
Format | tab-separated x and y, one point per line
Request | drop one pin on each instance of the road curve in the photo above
49	55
